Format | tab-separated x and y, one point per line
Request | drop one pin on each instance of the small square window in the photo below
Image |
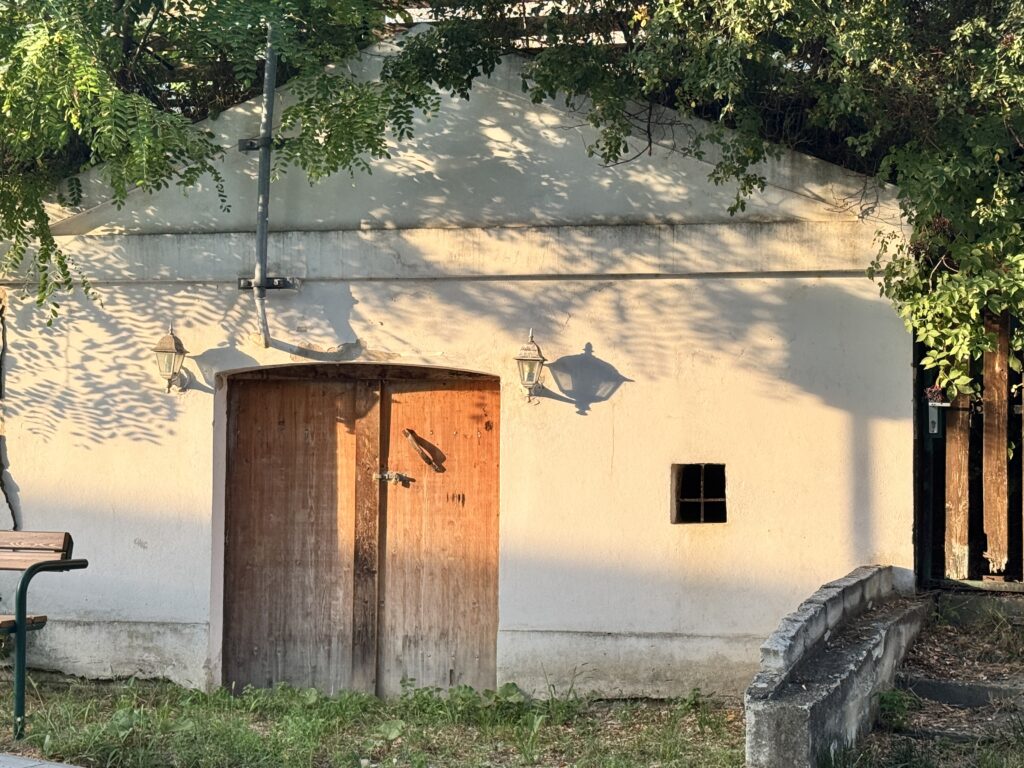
698	493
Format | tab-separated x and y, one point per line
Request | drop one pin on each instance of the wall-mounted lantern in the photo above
170	354
531	363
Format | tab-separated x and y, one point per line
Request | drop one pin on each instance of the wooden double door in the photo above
361	530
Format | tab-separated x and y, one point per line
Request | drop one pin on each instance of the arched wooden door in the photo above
361	531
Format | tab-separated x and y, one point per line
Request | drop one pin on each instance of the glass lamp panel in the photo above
529	372
165	364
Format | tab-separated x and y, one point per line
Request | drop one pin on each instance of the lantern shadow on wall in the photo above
583	380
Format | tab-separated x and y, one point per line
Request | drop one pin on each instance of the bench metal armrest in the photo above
21	630
21	597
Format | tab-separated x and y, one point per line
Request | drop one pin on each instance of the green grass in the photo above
894	708
142	724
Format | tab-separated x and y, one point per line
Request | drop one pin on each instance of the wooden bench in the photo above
31	552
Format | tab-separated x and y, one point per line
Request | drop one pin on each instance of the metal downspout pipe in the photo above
259	287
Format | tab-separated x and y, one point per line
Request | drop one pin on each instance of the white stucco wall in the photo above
756	342
800	385
497	159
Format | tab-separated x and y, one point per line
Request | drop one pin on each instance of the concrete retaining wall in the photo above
816	618
822	668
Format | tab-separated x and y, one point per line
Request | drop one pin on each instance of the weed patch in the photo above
895	751
894	708
136	724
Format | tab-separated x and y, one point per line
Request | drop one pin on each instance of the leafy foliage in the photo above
926	94
121	83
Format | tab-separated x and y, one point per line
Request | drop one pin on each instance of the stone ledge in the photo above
831	696
817	617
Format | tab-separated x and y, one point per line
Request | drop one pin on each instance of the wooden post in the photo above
957	507
995	403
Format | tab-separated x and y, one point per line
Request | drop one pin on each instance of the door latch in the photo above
392	477
426	455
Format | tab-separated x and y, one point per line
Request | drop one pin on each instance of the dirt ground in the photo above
978	641
966	642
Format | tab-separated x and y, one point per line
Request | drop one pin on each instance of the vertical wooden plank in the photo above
440	612
995	402
957	499
382	534
289	534
367	540
241	663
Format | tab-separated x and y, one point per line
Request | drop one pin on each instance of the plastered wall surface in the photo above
753	341
495	160
800	386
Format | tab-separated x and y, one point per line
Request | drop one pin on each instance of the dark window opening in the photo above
698	493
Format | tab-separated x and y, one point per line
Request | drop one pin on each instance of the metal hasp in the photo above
21	630
388	476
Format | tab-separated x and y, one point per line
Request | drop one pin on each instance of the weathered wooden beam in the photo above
958	430
367	537
995	404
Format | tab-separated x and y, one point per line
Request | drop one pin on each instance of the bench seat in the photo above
31	552
8	623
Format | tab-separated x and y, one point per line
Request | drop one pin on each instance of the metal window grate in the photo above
698	493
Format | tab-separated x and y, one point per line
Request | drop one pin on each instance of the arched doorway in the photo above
361	528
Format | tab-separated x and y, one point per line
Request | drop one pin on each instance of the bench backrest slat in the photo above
19	549
19	561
